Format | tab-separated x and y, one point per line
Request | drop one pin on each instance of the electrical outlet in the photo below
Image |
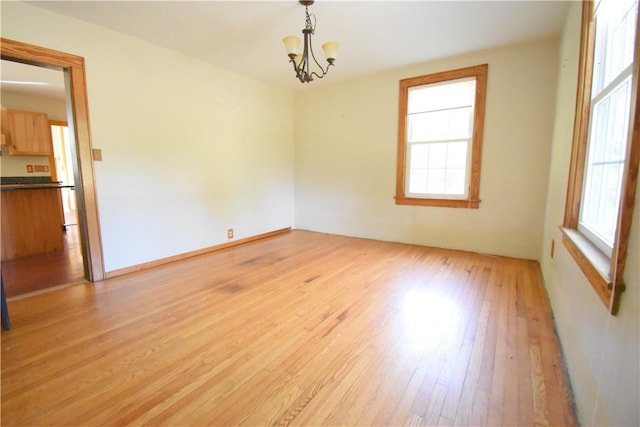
230	233
29	168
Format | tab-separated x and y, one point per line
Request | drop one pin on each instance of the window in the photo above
440	126
603	174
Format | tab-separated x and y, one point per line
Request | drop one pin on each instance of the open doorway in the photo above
71	67
35	262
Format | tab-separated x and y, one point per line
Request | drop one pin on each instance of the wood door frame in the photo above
78	116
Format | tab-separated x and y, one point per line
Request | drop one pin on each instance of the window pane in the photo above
600	211
435	181
441	125
438	168
603	172
442	96
461	123
457	155
419	156
454	181
619	119
615	36
427	126
592	195
418	181
437	156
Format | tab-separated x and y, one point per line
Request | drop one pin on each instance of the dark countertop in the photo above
52	185
30	183
27	180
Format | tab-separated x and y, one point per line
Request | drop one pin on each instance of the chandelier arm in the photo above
297	70
324	72
315	60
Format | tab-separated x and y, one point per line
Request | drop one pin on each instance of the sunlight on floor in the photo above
427	315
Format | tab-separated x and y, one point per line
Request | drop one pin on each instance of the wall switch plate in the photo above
97	154
230	233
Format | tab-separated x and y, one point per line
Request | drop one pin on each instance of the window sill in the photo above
595	265
443	203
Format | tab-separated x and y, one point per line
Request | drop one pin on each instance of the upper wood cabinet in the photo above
26	133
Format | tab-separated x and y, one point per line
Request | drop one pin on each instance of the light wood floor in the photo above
37	272
298	329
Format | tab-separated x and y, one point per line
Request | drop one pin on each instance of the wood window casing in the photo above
605	274
473	199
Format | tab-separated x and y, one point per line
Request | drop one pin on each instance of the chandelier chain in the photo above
307	23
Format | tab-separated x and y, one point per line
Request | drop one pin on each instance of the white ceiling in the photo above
51	82
246	36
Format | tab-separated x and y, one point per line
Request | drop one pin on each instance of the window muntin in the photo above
440	138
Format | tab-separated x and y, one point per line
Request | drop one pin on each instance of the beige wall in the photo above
601	351
55	109
189	149
346	138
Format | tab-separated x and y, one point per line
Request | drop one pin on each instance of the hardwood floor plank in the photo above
525	396
511	395
540	403
385	399
501	356
438	395
297	329
403	409
464	410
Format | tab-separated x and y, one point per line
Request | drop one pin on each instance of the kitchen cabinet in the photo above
26	133
31	221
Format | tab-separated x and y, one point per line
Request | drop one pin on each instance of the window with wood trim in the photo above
440	128
606	144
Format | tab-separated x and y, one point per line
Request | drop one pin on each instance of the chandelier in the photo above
304	61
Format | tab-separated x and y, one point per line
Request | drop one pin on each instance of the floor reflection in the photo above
426	316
